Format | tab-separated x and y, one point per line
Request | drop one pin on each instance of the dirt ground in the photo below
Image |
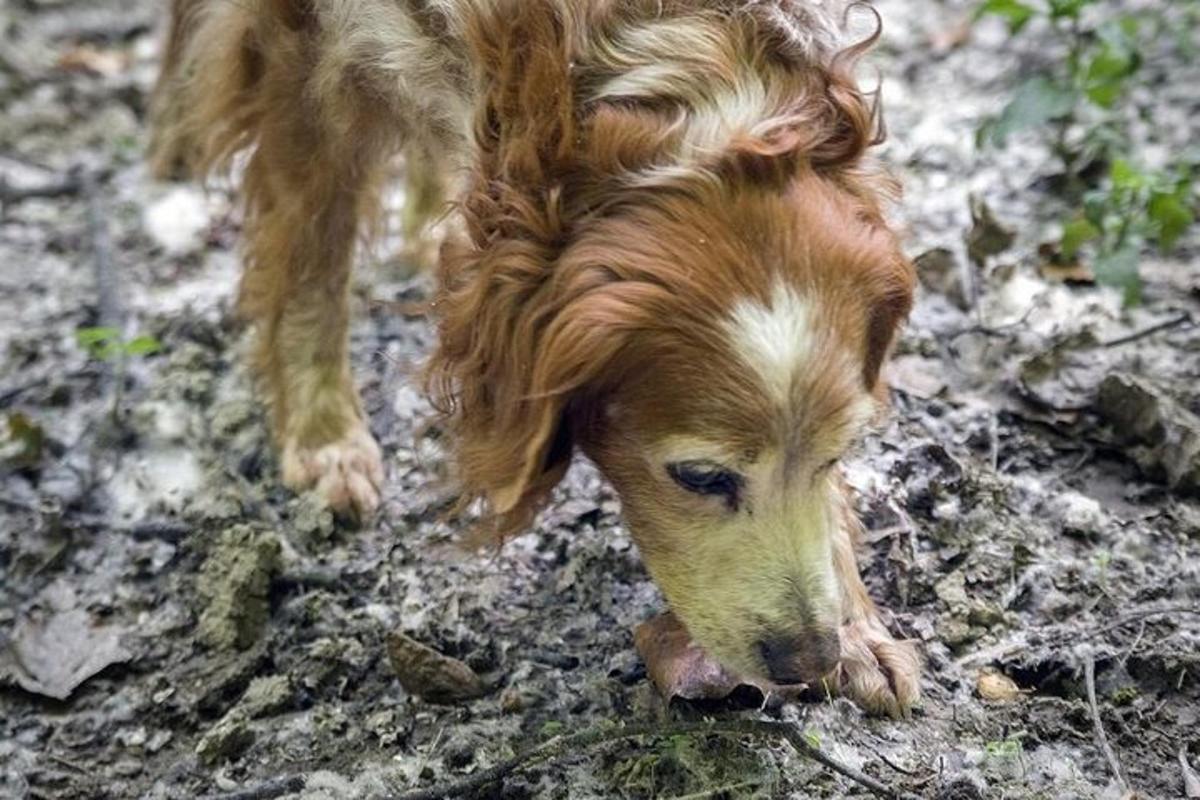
174	624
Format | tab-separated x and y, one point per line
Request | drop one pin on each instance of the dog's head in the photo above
698	296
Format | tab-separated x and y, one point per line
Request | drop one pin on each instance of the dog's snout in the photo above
800	656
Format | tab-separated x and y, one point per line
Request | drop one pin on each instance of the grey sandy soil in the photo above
237	634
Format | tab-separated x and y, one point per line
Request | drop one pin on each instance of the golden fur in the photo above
635	180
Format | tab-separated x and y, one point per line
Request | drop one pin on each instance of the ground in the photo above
175	624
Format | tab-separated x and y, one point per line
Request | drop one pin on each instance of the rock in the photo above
997	687
177	221
430	675
266	696
235	581
1165	436
55	650
227	739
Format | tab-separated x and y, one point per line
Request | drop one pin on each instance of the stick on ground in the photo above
1089	674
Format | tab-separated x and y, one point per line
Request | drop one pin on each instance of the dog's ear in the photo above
510	365
890	298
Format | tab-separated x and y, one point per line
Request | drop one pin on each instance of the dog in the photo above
673	257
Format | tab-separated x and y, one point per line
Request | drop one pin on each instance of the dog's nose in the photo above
801	656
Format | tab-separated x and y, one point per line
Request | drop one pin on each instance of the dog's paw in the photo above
877	671
347	474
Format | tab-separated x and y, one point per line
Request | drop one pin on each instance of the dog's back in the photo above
230	68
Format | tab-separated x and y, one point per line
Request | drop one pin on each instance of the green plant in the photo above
1077	105
110	345
106	344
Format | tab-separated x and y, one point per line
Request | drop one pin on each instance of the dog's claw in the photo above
877	671
347	474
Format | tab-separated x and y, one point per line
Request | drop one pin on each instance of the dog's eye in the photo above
707	478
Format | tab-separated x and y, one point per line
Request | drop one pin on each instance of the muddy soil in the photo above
175	624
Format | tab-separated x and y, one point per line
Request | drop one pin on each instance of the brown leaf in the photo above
916	376
988	236
52	655
430	675
679	667
22	443
1057	269
1191	781
952	36
86	58
997	687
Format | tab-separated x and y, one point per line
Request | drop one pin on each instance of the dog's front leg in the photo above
877	671
307	191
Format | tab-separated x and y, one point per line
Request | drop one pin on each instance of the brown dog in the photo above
674	258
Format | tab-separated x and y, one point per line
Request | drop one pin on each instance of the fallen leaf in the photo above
679	668
1191	781
52	655
22	444
988	236
430	675
997	687
1162	435
916	376
1065	376
1057	268
951	36
86	58
939	271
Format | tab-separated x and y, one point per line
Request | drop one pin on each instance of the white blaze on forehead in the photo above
776	340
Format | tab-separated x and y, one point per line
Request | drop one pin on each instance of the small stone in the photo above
266	696
985	615
226	740
997	687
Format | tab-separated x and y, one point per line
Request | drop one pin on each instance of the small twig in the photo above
570	745
1089	674
265	791
1143	614
1183	319
66	186
1065	632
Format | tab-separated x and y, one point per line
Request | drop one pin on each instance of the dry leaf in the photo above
1191	781
997	687
87	58
54	654
916	376
988	235
1057	269
430	675
952	36
679	668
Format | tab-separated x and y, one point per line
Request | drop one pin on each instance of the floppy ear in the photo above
892	300
507	368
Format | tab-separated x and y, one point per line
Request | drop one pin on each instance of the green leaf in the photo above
1014	12
1119	269
101	342
1068	8
1125	176
1075	234
1095	207
1110	66
1171	217
1036	102
142	346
